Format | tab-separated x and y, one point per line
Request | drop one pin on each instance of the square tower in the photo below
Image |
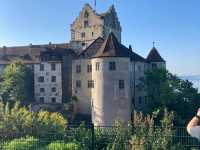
90	25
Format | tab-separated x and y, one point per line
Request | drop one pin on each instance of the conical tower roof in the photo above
154	56
112	48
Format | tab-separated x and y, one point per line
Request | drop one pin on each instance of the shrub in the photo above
148	136
60	145
50	125
19	121
28	143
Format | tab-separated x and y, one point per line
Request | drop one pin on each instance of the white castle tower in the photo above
111	96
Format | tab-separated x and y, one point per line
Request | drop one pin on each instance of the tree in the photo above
165	90
17	83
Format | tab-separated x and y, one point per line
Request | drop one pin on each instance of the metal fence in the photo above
88	137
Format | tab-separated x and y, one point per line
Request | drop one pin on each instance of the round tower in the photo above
111	95
155	60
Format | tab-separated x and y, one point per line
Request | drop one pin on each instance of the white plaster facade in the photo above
48	82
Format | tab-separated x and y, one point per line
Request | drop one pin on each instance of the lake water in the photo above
194	79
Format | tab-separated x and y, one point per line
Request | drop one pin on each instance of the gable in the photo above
88	14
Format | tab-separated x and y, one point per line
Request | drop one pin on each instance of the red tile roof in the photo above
154	56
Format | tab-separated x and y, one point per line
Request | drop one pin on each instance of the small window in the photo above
154	66
53	100
42	90
97	66
83	44
83	34
139	69
41	99
41	67
89	68
53	66
140	100
112	66
78	68
53	79
40	79
53	89
86	24
91	84
121	84
78	83
86	15
92	34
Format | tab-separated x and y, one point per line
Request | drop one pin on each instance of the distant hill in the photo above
195	79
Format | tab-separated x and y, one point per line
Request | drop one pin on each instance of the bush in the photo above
147	136
28	143
60	145
18	122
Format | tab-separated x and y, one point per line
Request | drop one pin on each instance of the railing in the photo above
88	137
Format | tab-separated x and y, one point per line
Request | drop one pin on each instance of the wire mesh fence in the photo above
88	137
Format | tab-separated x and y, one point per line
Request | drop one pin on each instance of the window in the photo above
139	69
40	79
86	15
78	68
53	67
89	68
121	84
83	44
53	100
83	34
97	66
154	66
112	66
86	24
73	35
78	83
53	79
140	100
42	90
41	99
92	34
91	84
53	89
41	67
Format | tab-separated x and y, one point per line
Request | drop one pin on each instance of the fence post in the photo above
93	136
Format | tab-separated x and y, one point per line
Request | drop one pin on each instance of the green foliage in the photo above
60	145
18	121
74	99
28	143
83	136
147	136
17	83
120	135
165	90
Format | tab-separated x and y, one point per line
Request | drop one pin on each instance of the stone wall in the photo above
83	93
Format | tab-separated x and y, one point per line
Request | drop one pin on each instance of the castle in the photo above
94	66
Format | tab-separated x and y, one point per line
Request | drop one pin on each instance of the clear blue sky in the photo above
173	24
